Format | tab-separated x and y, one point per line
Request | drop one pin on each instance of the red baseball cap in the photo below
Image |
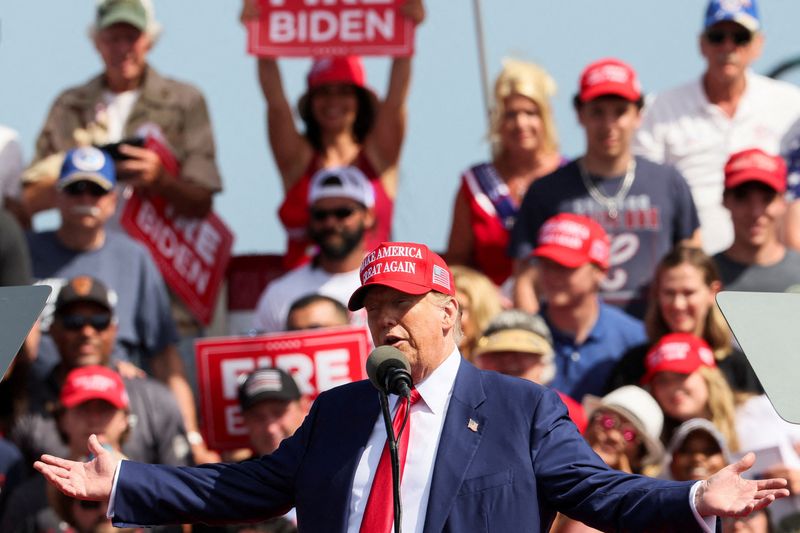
756	165
573	240
94	383
342	69
609	77
677	352
409	267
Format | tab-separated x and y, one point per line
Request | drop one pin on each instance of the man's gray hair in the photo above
443	299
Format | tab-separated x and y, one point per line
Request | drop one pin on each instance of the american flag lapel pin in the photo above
472	425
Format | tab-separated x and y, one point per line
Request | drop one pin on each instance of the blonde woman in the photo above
479	302
524	148
683	377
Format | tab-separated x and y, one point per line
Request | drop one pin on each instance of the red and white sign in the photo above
317	359
330	28
192	254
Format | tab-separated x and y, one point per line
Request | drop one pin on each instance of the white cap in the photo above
640	409
341	182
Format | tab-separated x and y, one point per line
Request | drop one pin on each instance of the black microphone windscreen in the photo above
380	360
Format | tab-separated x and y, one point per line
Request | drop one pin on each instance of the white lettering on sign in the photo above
322	26
234	424
332	369
231	369
193	265
301	367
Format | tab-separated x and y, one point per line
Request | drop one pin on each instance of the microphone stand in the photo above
391	439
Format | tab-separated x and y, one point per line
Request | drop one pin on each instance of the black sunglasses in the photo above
77	322
339	213
89	505
739	37
85	187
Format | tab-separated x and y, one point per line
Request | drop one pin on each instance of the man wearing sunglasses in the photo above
341	202
84	330
697	126
145	331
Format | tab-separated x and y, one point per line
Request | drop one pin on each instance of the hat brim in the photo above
85	176
535	345
304	103
357	299
610	89
562	256
123	17
85	396
755	175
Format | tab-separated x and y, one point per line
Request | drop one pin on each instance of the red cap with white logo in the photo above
409	267
609	77
682	353
573	240
756	165
94	383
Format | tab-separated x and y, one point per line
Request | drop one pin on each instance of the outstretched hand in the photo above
727	493
85	481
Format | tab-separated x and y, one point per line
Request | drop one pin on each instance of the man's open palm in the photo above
86	481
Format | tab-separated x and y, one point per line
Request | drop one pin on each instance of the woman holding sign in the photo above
345	124
525	147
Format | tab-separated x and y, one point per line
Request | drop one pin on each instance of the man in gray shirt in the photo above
755	183
84	331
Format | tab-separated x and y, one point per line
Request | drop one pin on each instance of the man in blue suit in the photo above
486	451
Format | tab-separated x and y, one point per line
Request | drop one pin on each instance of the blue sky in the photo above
44	48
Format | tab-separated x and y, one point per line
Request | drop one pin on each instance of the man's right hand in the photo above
85	481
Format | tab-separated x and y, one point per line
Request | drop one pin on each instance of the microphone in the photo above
389	371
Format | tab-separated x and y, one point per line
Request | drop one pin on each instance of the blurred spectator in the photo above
757	522
757	260
524	148
684	379
146	333
341	211
478	301
684	289
519	344
697	126
272	410
84	329
345	124
129	99
589	336
316	311
11	173
646	208
92	401
624	429
696	450
12	470
15	262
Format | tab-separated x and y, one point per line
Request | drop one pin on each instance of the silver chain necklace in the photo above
611	203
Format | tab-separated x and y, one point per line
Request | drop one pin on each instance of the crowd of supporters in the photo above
595	275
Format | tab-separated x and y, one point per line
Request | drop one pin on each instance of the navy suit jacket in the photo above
525	462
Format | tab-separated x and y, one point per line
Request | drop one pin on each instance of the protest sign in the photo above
317	359
192	254
330	28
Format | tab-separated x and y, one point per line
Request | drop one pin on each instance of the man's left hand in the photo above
143	169
727	493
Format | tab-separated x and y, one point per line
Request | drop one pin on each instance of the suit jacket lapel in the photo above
457	444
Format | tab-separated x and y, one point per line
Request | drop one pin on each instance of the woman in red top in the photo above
346	124
525	147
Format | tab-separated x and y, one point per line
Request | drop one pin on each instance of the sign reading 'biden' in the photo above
330	28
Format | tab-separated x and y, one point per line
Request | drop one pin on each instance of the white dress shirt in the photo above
426	420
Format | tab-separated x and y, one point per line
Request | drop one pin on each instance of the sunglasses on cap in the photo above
89	505
79	188
99	322
610	421
340	213
739	37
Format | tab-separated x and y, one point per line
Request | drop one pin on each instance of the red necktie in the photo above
379	513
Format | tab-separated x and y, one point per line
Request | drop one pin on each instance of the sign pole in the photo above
482	55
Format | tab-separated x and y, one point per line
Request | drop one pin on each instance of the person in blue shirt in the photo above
589	336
